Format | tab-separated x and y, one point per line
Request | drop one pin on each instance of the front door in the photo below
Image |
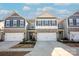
60	35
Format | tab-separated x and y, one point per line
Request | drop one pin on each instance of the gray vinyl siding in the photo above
18	22
74	21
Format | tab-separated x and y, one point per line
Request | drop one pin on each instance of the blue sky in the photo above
31	10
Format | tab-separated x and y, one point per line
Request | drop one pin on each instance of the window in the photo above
50	23
74	21
53	23
43	22
14	23
21	23
46	23
38	23
70	22
77	22
7	23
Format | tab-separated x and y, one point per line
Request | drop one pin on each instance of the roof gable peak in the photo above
46	14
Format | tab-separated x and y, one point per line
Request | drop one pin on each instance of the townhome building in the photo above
71	25
14	27
46	27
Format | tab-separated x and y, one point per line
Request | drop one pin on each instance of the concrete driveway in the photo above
51	49
7	44
41	48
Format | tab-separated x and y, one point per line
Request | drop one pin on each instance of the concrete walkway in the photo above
41	49
51	49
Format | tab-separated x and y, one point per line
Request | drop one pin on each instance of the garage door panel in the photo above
46	36
14	36
74	36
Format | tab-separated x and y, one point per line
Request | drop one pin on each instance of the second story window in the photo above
21	23
7	23
38	23
70	22
14	23
77	22
46	23
54	23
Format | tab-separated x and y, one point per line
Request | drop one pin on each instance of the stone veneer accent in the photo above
14	30
73	29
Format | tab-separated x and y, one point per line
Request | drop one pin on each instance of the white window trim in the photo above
71	22
14	24
7	23
21	23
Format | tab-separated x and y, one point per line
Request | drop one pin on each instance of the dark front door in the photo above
61	35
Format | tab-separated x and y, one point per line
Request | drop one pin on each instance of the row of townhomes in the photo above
45	27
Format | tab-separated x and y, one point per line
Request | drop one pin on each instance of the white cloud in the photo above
4	11
38	13
40	10
45	9
63	11
26	8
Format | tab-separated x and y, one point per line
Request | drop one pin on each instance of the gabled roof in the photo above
76	13
46	14
14	13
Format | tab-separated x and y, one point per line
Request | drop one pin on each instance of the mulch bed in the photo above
13	53
24	46
72	44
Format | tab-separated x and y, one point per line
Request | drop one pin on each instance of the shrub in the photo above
65	38
28	42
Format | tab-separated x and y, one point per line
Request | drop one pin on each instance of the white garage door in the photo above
46	37
74	36
14	36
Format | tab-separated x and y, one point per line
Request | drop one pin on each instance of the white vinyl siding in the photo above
7	23
14	23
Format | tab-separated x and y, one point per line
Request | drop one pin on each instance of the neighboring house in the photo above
14	27
1	30
1	24
46	26
71	25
